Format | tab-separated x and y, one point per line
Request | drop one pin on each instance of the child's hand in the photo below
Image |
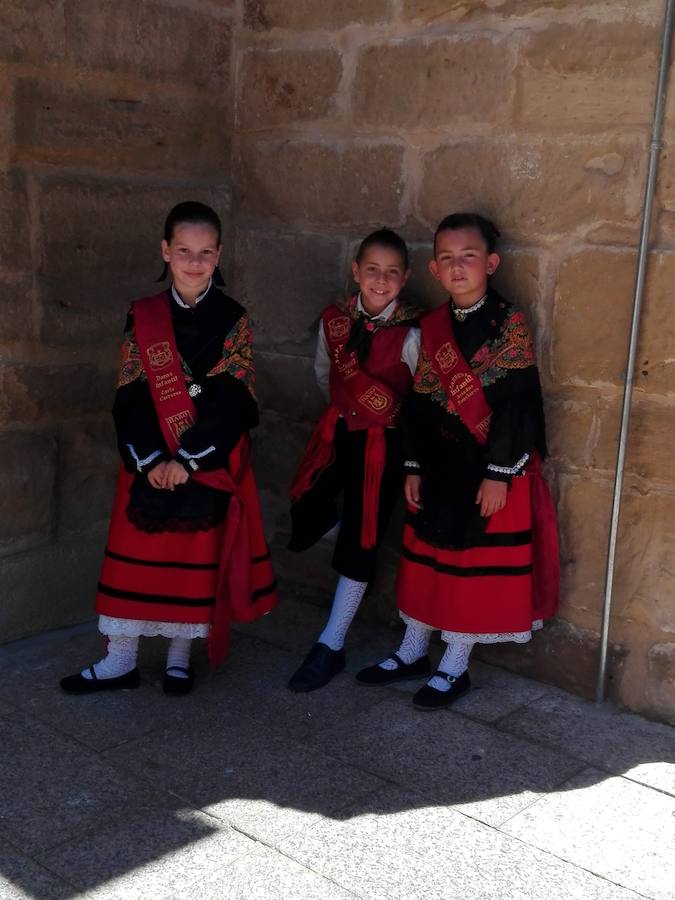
175	474
157	474
491	496
413	483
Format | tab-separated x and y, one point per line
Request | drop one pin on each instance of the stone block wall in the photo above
308	124
110	113
350	116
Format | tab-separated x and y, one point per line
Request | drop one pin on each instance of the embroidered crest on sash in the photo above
180	422
376	401
446	357
159	355
339	327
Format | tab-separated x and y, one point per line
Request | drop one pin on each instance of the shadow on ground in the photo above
246	790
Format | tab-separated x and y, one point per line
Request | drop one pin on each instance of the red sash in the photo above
355	392
464	390
176	413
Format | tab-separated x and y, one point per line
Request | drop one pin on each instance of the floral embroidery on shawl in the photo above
131	366
237	359
426	381
511	349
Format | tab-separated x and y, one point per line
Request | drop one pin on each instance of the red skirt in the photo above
501	586
174	577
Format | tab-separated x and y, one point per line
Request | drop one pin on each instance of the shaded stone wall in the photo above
352	115
100	133
308	124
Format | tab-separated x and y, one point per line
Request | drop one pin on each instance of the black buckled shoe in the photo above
372	675
320	665
174	684
78	684
431	698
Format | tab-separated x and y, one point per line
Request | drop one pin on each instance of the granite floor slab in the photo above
149	856
245	790
265	875
410	852
54	789
449	758
600	735
262	784
614	827
255	684
22	878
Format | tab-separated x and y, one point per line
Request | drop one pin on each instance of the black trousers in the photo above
317	511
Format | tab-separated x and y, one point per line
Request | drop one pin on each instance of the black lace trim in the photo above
175	524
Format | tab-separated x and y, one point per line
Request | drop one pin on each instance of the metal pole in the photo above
654	149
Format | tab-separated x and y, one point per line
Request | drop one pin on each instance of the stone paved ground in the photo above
243	790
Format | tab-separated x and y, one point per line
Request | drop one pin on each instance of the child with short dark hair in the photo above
480	557
186	551
364	365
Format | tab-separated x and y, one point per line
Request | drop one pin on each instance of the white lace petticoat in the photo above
138	628
463	637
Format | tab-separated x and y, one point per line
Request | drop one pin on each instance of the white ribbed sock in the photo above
120	658
455	662
414	646
178	655
348	596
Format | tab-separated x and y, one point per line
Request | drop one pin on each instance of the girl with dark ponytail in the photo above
186	552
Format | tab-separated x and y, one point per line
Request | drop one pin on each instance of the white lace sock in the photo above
178	655
455	662
414	646
348	597
120	658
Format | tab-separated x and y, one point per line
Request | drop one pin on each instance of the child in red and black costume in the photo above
185	552
480	557
364	366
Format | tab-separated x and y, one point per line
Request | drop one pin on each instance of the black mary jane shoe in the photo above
430	698
78	684
320	665
373	675
174	684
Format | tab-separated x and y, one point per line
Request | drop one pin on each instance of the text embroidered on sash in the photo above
446	357
168	386
484	426
180	422
461	387
159	355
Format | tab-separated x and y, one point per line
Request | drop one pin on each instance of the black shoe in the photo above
371	675
78	684
320	665
172	684
430	698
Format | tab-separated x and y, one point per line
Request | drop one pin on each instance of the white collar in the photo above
460	313
183	305
386	313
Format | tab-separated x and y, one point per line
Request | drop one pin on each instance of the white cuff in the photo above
509	470
142	462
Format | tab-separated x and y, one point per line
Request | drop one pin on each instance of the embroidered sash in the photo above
176	413
463	388
362	399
